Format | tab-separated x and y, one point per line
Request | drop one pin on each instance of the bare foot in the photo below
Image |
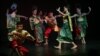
65	42
37	45
45	43
83	42
75	46
58	47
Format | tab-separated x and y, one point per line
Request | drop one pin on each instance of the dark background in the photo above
25	7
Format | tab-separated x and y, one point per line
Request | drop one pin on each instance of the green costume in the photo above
11	23
82	24
38	28
65	32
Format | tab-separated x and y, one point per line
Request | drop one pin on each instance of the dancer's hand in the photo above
58	9
83	14
26	18
75	15
65	9
89	8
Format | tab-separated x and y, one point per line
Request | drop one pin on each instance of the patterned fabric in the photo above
20	35
11	23
36	25
65	32
17	40
39	32
48	31
17	45
82	24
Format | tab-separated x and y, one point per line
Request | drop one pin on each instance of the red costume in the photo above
16	44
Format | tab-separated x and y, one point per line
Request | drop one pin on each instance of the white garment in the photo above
80	19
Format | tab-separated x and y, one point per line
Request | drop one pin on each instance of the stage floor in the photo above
91	48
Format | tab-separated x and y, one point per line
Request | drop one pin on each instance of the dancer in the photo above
51	25
81	23
65	34
13	18
35	23
41	18
18	36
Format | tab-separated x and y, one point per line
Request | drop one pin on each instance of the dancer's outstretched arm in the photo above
84	14
60	11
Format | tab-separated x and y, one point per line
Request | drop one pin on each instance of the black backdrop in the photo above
24	8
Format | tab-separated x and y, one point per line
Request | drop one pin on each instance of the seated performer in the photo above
18	36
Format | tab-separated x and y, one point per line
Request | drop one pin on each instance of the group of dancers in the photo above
17	35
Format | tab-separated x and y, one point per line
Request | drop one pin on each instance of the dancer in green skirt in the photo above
65	34
81	22
36	26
